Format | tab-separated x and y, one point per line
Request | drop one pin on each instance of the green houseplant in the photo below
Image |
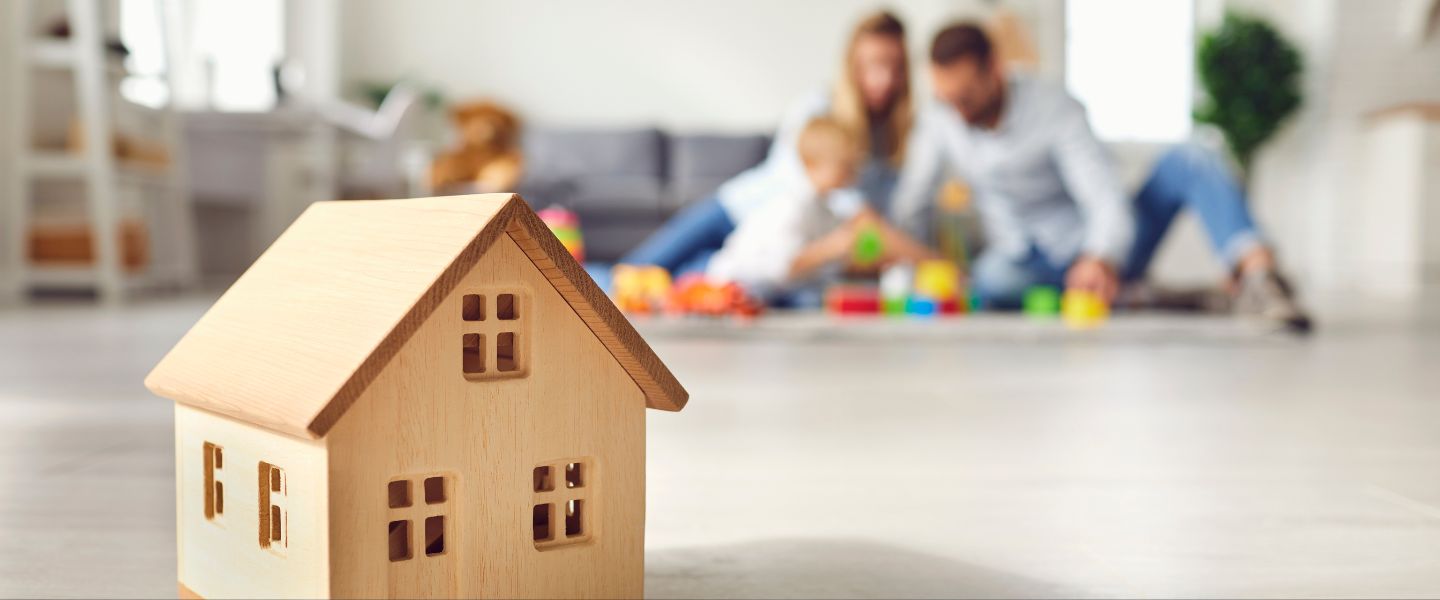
1251	79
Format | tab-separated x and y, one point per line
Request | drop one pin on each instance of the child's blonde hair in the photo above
827	139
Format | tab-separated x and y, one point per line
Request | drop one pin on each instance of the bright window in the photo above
1132	63
230	50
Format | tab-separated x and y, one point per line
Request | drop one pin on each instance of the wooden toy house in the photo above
413	398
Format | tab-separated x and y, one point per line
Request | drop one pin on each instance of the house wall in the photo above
223	558
421	416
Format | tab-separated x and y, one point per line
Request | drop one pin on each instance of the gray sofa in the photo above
624	183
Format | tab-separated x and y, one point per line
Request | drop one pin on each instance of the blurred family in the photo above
1053	210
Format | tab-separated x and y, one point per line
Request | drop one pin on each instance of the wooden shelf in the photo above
56	164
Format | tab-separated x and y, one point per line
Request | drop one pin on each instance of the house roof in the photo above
305	330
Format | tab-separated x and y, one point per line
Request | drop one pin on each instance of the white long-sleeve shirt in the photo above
1039	178
758	254
745	194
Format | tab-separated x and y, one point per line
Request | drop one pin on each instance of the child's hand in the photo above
838	244
865	217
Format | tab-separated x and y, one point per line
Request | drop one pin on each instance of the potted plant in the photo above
1251	79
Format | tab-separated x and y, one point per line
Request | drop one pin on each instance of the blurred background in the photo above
269	105
150	150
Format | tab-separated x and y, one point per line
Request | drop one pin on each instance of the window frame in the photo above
276	517
213	461
552	495
480	332
418	511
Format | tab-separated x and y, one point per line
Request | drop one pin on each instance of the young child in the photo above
807	237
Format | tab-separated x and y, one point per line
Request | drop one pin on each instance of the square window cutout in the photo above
399	541
507	308
472	307
505	352
574	475
473	353
540	522
434	490
399	493
434	535
574	518
544	481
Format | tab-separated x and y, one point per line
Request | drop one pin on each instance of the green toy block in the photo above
1042	301
868	246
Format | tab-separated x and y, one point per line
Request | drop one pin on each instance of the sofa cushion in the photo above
563	153
699	163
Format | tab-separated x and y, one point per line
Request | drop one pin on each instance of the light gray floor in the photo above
988	457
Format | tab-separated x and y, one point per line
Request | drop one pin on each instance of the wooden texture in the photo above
314	321
75	244
422	417
220	557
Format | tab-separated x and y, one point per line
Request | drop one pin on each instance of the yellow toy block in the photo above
1083	310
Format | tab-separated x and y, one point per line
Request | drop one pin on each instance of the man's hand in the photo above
1093	275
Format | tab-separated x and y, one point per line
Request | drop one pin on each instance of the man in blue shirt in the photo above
1047	193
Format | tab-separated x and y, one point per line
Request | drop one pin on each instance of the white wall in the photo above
1307	188
684	64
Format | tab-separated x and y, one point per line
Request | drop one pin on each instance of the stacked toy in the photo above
937	289
929	288
897	284
566	227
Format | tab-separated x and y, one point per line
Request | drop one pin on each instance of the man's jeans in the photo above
1187	176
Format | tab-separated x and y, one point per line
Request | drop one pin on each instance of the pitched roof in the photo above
305	330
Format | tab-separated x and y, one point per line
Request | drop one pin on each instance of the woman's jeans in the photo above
685	243
1187	176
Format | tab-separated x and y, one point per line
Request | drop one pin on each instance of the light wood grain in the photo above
422	416
221	557
307	329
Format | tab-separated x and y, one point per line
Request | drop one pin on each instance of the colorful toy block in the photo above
566	227
640	289
852	300
1041	301
937	280
868	247
1083	310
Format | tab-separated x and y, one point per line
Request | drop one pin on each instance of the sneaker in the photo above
1266	294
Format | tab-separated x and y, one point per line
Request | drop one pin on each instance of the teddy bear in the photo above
487	156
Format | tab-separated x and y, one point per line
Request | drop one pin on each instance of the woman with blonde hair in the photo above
871	97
